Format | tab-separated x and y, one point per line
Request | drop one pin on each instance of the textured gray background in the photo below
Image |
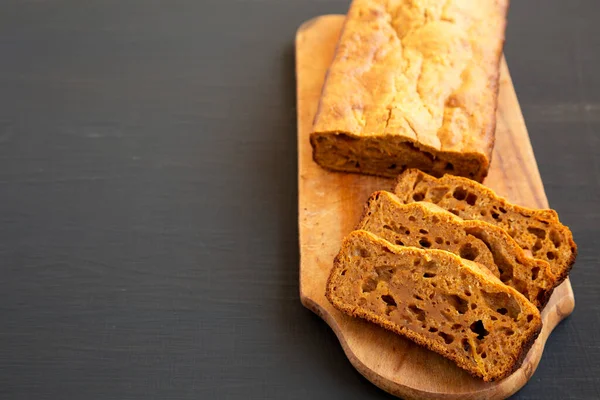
148	239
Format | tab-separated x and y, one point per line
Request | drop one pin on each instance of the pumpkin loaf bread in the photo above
538	231
426	225
438	300
412	84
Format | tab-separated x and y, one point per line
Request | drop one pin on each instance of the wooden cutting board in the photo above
330	205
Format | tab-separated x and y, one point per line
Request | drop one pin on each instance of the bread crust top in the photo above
424	70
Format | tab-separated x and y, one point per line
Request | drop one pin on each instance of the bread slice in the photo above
537	231
436	299
426	225
413	84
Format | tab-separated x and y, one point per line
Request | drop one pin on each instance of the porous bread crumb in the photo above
436	299
537	231
428	226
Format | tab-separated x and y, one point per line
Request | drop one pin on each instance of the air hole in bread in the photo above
393	166
447	338
429	275
541	297
540	233
436	194
385	273
471	199
502	210
530	318
418	196
461	305
494	318
555	238
459	193
433	330
467	292
506	272
389	300
496	216
416	296
473	306
424	242
468	252
484	355
551	255
369	285
456	327
466	345
423	231
502	303
447	243
483	213
537	246
439	240
412	218
449	167
344	272
399	242
454	211
364	252
420	314
534	273
478	328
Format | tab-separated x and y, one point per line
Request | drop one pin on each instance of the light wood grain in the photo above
330	205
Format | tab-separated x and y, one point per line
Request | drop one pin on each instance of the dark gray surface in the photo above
148	239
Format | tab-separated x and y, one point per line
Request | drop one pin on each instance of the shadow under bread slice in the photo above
426	225
538	231
436	299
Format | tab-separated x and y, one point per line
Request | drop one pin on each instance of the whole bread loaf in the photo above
413	84
537	231
443	302
426	225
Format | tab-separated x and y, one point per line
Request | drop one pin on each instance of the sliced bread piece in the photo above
538	231
426	225
436	299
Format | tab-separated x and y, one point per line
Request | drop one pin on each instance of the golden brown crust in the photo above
413	84
536	230
514	358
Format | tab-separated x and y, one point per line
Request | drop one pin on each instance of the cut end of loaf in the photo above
437	300
391	155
